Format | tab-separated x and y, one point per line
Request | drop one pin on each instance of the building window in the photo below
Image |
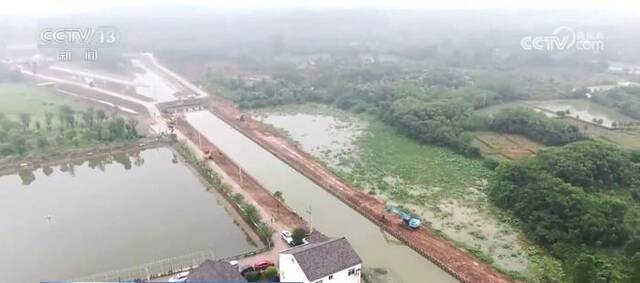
351	271
330	276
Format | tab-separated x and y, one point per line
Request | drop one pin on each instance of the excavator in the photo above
409	219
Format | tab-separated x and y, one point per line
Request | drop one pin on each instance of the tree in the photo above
635	268
536	126
553	194
48	116
66	115
25	119
252	276
546	270
298	236
251	212
586	269
632	247
279	196
270	274
265	231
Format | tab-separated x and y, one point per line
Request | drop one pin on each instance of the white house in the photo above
330	261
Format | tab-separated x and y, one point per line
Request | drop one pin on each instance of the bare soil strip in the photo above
274	207
461	265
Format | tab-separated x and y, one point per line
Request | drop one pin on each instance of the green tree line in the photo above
534	125
64	128
577	200
429	104
626	99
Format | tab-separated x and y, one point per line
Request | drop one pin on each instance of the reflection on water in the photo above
126	159
107	213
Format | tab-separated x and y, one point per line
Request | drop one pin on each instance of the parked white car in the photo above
287	237
180	277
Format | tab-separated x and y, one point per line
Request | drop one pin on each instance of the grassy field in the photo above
388	153
505	146
623	138
21	98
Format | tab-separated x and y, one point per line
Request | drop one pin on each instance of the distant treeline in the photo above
534	125
430	104
62	129
626	99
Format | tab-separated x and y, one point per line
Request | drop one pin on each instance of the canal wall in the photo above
441	252
263	198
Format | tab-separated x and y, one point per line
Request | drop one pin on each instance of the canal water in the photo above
110	213
326	213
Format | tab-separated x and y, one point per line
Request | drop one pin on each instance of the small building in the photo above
330	261
184	105
219	271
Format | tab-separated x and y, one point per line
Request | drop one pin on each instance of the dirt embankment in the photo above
274	207
461	265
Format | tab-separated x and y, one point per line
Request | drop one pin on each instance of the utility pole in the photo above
310	212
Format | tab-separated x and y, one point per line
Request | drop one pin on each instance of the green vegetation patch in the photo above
20	98
385	152
581	202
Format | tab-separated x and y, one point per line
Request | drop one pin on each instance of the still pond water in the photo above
110	213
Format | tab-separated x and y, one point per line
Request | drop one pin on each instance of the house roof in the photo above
321	259
215	271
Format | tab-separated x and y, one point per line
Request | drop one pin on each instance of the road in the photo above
158	126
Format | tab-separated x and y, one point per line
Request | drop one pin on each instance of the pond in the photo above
584	110
108	213
330	137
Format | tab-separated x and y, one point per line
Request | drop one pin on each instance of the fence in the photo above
161	268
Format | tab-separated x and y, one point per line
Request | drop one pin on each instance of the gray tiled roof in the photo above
215	271
321	259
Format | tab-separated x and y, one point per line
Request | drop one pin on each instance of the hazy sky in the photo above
56	7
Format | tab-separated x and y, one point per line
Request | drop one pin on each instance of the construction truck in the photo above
410	220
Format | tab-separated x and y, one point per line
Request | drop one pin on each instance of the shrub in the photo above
252	276
270	274
298	235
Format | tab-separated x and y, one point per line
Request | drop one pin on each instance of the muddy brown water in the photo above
106	214
319	207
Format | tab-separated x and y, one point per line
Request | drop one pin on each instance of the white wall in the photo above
343	276
290	271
